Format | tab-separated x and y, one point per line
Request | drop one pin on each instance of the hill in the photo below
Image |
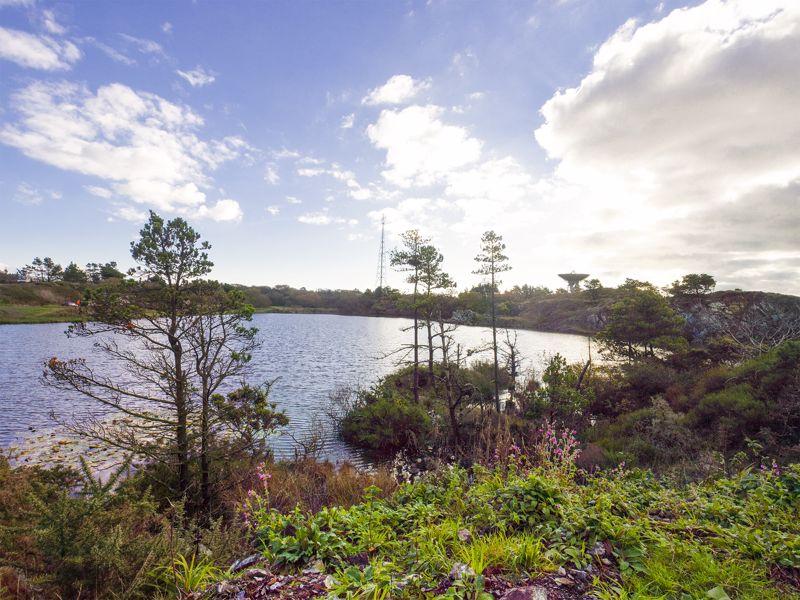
583	313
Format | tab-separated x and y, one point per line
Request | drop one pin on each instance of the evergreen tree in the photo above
492	261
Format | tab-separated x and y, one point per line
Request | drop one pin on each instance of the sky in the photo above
623	139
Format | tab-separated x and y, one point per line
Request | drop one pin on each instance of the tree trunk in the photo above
494	348
205	485
181	409
415	383
430	346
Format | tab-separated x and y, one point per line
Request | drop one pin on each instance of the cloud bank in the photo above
144	147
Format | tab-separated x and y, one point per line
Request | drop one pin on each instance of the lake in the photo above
311	355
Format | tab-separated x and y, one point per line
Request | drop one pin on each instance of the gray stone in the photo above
530	592
245	562
460	570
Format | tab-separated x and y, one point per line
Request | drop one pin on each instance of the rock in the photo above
563	581
241	595
562	571
460	570
598	549
245	562
530	592
330	582
316	567
464	535
225	588
256	574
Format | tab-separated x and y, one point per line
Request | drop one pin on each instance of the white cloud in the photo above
129	213
37	51
50	23
680	122
348	121
354	189
112	53
166	27
16	3
198	77
397	90
222	210
145	147
420	148
271	175
315	218
32	196
323	218
273	210
309	160
99	191
144	45
463	61
285	153
293	200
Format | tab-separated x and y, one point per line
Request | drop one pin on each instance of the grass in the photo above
717	539
14	314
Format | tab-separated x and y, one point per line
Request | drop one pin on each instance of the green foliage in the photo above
249	416
386	423
694	284
641	323
560	397
185	576
170	251
758	398
74	274
75	535
666	542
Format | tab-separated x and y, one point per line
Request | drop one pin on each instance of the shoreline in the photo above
23	314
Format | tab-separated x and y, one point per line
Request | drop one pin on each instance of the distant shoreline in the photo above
21	314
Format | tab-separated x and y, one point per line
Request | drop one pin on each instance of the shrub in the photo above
385	425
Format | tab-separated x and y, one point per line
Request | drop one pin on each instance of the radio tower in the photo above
382	256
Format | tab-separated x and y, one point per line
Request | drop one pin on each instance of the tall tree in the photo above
693	284
408	259
52	270
641	323
222	324
492	261
176	338
74	274
433	279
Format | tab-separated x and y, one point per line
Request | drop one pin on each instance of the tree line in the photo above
46	270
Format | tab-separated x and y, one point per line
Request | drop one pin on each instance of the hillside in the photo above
705	317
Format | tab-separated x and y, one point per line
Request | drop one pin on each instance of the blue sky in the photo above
642	139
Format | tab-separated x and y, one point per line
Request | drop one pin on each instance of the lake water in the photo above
311	355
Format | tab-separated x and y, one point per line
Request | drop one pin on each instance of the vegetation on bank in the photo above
529	519
21	314
621	535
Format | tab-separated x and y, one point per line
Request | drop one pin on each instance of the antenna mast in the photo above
382	256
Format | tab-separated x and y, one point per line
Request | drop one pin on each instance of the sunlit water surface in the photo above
310	355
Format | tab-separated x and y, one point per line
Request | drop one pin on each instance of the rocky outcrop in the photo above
749	317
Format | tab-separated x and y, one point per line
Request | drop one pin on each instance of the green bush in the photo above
386	424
